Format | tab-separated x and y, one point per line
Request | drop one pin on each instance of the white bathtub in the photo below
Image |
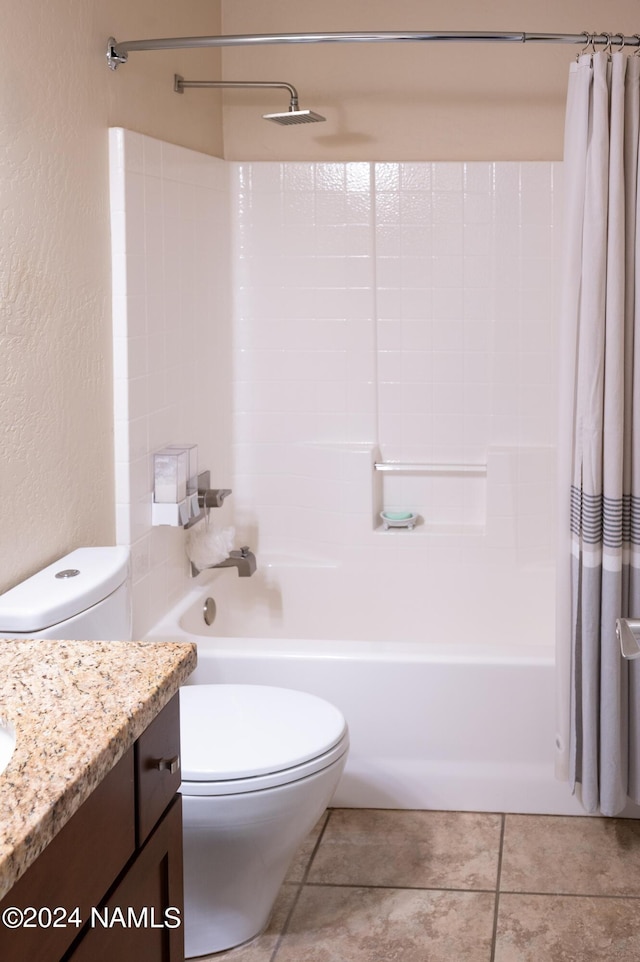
457	724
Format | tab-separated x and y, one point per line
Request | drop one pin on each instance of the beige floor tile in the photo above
572	855
403	848
547	928
301	859
388	925
261	948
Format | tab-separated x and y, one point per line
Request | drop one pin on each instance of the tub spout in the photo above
244	560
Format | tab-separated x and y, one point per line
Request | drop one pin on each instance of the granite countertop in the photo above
76	707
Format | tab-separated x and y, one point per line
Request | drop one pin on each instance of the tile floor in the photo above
406	886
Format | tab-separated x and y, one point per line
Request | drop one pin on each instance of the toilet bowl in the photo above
259	766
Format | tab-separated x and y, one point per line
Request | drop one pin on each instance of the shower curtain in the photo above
599	442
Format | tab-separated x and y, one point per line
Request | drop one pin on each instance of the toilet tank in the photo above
83	596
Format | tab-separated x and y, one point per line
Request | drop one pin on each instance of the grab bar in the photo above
416	467
627	632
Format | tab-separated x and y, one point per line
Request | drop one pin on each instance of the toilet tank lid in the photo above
45	600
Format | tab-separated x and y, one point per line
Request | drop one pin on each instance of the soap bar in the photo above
397	515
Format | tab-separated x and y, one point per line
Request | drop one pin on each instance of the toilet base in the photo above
237	850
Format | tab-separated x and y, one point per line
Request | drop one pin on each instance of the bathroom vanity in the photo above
90	818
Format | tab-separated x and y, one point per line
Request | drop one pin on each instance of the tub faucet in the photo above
208	497
212	497
244	560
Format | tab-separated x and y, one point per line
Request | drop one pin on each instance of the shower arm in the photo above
180	85
118	52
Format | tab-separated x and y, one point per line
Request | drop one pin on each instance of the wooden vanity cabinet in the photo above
141	903
118	860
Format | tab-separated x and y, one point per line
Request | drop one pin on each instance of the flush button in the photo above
67	573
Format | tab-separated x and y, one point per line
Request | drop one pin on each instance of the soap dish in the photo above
398	519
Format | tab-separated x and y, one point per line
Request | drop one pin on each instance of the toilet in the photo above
259	764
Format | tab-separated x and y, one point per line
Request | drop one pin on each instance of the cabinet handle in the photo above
168	764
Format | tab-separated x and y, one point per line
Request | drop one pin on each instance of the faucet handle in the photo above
243	552
213	497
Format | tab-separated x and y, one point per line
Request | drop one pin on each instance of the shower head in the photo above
295	116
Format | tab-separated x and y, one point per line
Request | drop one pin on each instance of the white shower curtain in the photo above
599	438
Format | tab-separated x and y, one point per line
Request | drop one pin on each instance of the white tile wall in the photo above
328	315
172	336
407	305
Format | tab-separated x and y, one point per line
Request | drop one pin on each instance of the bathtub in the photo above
460	723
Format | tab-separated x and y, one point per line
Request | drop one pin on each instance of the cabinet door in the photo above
137	922
81	863
157	768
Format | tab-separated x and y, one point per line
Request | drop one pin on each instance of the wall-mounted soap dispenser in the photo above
175	485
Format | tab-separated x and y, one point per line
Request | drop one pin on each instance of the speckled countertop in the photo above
76	706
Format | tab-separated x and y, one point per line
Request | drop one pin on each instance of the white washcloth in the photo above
208	545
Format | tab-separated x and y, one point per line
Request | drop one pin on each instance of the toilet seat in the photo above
247	738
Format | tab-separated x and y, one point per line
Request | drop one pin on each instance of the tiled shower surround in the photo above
171	305
302	321
404	307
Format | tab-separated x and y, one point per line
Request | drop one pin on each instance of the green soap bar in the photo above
397	515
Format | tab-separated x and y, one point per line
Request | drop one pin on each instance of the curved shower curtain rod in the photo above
118	53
